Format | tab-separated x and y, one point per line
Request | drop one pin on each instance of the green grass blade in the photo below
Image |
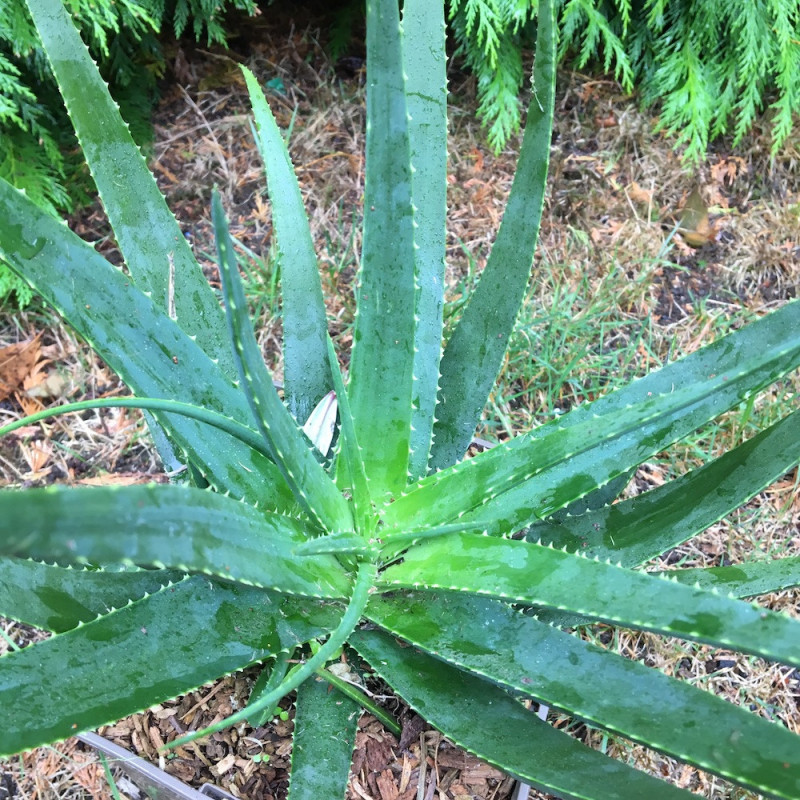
474	354
126	661
530	477
623	697
152	243
484	719
744	580
324	737
527	573
140	343
306	372
382	359
425	66
59	598
634	531
166	525
291	451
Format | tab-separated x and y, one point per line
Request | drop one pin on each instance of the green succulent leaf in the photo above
292	561
269	679
362	586
743	580
381	365
602	496
474	354
352	688
520	653
306	373
504	489
344	542
324	737
139	342
425	68
485	719
292	453
528	573
634	531
152	243
166	526
350	453
127	660
213	418
60	598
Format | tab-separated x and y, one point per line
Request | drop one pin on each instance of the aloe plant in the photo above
488	566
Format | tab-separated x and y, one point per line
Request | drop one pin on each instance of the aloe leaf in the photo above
324	737
425	67
59	598
530	477
344	542
152	243
292	453
743	580
486	720
608	691
164	645
268	679
602	496
166	526
527	573
357	695
382	359
213	418
475	352
393	544
306	372
362	586
139	342
168	451
351	452
634	531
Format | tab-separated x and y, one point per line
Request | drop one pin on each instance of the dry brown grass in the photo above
606	241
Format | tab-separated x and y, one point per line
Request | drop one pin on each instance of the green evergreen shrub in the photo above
713	65
121	34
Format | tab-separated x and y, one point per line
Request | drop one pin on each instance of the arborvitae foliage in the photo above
710	65
121	34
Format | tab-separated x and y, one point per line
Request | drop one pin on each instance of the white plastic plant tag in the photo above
321	423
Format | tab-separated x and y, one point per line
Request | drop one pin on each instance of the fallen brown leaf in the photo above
728	169
36	455
607	121
639	195
42	382
16	364
695	226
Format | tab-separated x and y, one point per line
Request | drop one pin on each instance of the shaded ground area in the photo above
617	290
